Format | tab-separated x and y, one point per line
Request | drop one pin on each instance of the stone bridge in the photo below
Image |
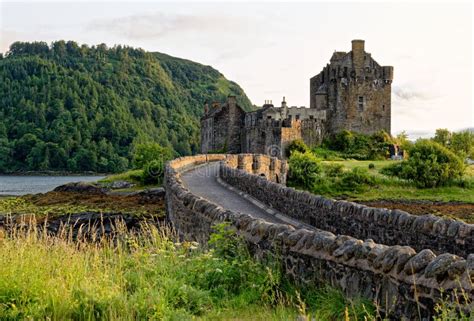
404	263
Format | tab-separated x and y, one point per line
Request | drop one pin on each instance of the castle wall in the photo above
221	128
355	91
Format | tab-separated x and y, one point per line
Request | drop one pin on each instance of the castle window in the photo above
383	107
269	117
297	117
361	103
345	72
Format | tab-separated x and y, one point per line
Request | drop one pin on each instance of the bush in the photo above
153	172
371	166
296	145
303	169
333	170
360	146
356	179
429	165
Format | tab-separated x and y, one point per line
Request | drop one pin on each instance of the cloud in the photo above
408	94
158	25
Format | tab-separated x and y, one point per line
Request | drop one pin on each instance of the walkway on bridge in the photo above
202	181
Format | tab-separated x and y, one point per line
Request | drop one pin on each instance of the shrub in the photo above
356	179
371	166
296	145
333	170
360	146
429	165
303	169
153	172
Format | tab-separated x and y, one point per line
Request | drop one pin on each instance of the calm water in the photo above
21	185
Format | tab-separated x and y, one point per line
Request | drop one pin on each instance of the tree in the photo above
147	152
462	143
442	136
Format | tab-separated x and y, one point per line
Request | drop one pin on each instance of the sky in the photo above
271	49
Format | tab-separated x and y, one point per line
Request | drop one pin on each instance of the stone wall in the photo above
271	168
390	227
404	283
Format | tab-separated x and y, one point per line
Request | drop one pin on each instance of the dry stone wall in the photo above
390	227
404	283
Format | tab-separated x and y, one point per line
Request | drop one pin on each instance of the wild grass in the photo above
148	276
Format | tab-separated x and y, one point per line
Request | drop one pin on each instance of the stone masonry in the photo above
353	92
405	281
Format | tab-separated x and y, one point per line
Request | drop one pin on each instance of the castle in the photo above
352	92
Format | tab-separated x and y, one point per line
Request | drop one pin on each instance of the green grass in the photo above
394	188
149	277
131	176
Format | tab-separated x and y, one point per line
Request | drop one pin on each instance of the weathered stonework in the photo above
389	227
404	283
353	93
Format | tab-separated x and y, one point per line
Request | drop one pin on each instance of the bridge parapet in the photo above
403	282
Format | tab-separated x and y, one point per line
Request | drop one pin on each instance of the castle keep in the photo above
352	92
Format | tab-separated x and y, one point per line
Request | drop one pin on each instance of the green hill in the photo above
81	108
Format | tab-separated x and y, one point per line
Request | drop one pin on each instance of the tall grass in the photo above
147	276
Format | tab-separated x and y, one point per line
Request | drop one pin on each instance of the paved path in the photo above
202	181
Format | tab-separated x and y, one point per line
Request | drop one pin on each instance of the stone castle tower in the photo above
353	92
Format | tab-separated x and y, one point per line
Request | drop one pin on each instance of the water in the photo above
21	185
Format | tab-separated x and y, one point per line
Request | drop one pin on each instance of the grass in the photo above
131	176
150	277
393	188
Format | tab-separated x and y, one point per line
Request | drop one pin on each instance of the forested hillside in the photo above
80	108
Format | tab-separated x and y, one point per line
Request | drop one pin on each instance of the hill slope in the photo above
80	108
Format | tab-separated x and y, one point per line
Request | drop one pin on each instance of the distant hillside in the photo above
80	108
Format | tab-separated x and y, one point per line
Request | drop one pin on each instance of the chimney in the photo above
358	53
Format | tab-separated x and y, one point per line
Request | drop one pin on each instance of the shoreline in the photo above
46	173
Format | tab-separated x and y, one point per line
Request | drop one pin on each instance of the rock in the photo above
456	269
81	187
470	266
121	185
152	194
440	265
419	262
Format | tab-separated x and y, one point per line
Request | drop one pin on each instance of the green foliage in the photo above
461	143
296	145
79	108
146	152
358	146
303	169
371	166
333	169
429	165
153	172
442	136
356	179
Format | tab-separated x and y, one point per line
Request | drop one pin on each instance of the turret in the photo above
387	73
